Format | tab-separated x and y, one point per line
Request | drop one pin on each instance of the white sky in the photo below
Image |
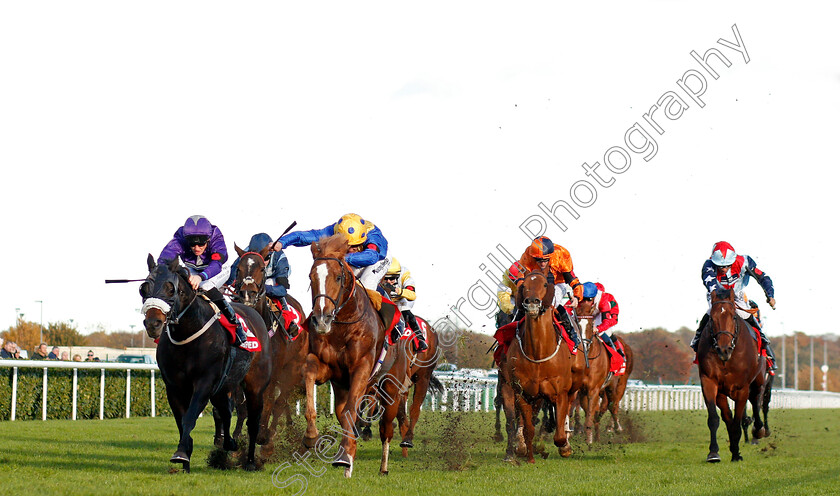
444	123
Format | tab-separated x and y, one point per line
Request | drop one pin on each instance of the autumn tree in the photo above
63	334
660	355
469	351
26	334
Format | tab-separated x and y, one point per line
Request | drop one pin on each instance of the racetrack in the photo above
663	453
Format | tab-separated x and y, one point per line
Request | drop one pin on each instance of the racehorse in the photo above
538	366
421	373
345	337
596	374
730	367
288	356
196	361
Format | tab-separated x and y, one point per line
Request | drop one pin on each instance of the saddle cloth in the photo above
251	344
290	315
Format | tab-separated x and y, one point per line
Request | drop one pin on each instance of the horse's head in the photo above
166	290
724	320
331	280
250	275
536	294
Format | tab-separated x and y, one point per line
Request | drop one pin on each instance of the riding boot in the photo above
700	328
412	323
765	344
227	310
609	342
288	317
567	323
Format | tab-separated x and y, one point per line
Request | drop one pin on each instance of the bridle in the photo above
535	301
714	335
337	302
542	308
169	307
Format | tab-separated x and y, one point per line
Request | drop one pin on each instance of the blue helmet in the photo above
589	290
197	230
259	241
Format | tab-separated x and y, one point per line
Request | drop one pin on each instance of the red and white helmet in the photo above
723	254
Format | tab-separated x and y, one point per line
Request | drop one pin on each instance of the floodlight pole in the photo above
41	325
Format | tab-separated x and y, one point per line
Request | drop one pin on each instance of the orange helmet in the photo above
541	247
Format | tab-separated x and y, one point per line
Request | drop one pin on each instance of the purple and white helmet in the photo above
197	229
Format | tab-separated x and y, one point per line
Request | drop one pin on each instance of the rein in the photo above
542	309
335	301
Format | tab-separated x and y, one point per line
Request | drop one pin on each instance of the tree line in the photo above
28	335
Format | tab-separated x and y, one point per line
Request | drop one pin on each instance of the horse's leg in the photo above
269	396
756	397
313	369
733	422
198	400
498	404
386	421
588	401
241	411
561	406
176	404
421	388
403	422
255	385
765	401
526	417
575	407
222	416
709	389
347	419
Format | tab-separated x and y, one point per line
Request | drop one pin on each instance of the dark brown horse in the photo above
538	366
288	356
196	360
346	335
730	366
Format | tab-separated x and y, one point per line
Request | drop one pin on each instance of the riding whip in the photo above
112	281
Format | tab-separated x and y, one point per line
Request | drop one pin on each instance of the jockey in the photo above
399	285
201	248
542	254
607	312
505	294
277	272
728	270
368	247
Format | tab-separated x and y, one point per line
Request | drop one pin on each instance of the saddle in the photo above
617	364
505	334
252	344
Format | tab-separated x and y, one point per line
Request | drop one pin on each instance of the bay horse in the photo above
730	367
595	375
196	360
538	366
288	356
346	335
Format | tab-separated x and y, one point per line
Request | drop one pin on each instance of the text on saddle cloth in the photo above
252	344
290	315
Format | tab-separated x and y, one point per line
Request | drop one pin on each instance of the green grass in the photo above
663	453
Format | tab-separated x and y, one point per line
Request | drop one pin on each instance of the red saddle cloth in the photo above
289	316
252	344
505	334
617	365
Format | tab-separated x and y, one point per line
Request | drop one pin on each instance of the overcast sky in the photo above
446	124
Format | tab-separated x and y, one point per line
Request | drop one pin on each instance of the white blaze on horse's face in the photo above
322	273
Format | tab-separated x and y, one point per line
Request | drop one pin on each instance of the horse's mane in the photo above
334	246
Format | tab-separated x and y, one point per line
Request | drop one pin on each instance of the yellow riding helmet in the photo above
354	227
395	267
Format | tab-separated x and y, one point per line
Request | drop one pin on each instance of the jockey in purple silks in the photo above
201	248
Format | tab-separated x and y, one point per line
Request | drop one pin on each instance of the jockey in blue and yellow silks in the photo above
368	255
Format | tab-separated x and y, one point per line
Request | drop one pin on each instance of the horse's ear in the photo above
316	249
151	262
173	265
239	250
548	299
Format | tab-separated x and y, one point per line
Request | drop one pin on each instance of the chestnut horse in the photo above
346	335
288	356
730	366
538	366
596	375
197	362
613	392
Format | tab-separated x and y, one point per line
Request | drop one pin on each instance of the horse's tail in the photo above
435	386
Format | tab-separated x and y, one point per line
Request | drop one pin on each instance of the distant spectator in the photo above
77	358
91	358
65	356
40	352
53	354
9	351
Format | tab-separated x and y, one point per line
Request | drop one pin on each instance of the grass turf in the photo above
660	453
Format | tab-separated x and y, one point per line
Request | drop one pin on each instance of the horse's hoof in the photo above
383	473
366	434
218	440
531	460
713	458
498	437
230	444
251	467
180	457
754	441
342	461
737	458
309	442
565	451
407	444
